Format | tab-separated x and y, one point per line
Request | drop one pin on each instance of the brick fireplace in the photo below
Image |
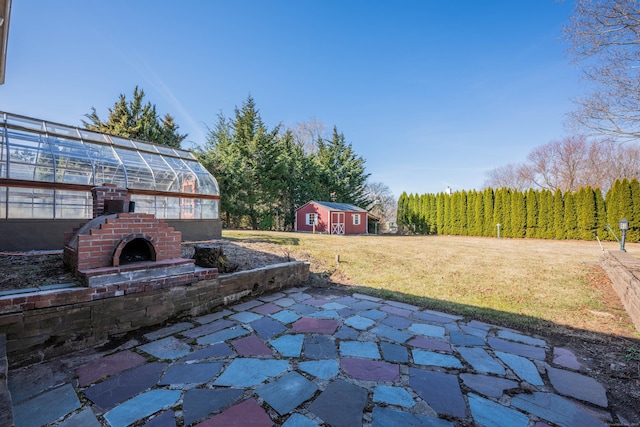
119	246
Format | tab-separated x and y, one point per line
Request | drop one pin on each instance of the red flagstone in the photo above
370	370
267	309
251	346
318	326
109	365
245	414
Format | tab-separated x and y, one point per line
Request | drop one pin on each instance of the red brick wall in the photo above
108	192
97	249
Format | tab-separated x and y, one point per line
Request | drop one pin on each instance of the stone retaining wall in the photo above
45	324
624	272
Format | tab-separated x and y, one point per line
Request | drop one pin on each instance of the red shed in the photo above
332	218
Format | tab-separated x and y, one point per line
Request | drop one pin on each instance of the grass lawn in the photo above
538	285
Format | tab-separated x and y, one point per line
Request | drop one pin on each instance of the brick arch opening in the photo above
134	248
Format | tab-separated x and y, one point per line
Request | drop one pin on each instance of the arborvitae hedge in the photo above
535	213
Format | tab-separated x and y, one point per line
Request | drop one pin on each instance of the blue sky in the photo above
431	93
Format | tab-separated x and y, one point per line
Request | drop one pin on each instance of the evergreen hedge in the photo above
541	214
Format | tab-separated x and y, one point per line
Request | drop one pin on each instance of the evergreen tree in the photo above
586	213
499	212
570	216
601	215
479	214
518	215
401	217
343	171
558	216
545	215
633	235
533	210
137	120
488	228
440	214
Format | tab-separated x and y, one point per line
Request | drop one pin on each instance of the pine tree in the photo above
601	215
479	215
545	216
440	214
586	213
136	120
401	216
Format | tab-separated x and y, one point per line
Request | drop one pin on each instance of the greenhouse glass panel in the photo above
3	154
206	182
166	178
3	202
168	207
73	165
208	209
138	173
61	130
145	204
30	203
106	166
186	178
122	142
73	204
189	208
29	157
24	122
163	149
145	146
88	135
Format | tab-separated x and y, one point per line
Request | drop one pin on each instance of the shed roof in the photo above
333	206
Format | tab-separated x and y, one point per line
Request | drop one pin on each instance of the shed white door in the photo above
337	222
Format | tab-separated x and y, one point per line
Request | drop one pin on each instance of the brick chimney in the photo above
110	199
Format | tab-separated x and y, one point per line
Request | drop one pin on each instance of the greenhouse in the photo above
47	171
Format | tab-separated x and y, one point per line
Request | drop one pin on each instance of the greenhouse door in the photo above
337	222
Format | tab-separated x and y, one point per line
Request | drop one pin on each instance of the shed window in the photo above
356	219
312	219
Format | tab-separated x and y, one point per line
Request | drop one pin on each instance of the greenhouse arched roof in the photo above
42	151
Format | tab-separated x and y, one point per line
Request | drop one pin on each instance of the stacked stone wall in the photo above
624	272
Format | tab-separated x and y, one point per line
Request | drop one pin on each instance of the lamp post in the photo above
624	226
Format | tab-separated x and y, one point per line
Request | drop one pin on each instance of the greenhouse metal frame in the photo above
47	171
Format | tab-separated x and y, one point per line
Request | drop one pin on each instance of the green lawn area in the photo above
539	285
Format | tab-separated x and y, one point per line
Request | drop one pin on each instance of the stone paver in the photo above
308	358
108	365
46	407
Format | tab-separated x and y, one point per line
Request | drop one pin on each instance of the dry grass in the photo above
532	284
